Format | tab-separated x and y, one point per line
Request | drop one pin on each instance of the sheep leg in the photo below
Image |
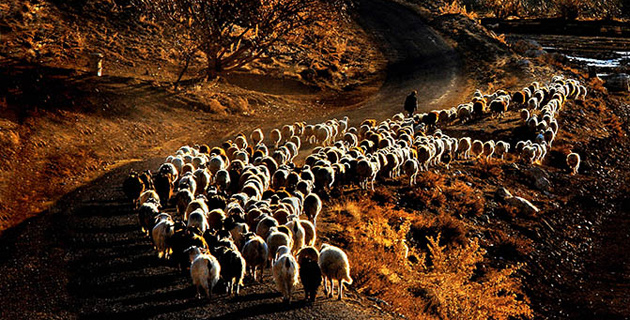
325	286
340	290
332	288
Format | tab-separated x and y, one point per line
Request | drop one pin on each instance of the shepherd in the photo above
411	103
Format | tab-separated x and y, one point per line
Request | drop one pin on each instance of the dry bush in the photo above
455	7
454	294
504	8
449	287
510	247
453	232
464	200
427	192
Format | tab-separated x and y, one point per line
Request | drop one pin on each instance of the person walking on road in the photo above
411	103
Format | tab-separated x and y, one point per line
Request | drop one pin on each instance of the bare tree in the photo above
233	33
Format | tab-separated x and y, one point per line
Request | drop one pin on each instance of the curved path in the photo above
417	59
86	258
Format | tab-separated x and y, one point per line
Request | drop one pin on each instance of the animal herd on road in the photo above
226	212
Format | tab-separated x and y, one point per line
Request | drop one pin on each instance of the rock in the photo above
534	53
503	194
524	63
618	82
543	184
539	178
523	206
535	173
524	45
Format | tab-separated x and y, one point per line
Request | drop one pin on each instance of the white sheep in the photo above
163	230
335	266
275	137
411	168
477	148
501	149
275	240
257	136
285	275
310	234
573	161
312	207
204	271
298	233
198	220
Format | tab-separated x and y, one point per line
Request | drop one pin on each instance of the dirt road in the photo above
85	258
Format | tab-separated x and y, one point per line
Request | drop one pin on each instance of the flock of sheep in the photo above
245	205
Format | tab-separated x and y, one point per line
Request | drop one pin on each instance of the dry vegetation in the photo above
52	111
422	265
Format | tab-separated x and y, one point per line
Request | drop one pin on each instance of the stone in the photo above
523	205
619	82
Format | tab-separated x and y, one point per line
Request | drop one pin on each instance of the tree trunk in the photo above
214	65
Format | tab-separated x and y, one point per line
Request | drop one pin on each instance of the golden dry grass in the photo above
440	280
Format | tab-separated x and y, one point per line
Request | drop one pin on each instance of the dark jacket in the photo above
411	103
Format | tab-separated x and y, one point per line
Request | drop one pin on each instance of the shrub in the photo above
454	295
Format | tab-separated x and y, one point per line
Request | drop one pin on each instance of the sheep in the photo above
147	213
501	149
309	232
312	207
464	146
222	180
198	203
163	230
202	178
215	219
479	108
163	183
255	252
411	168
276	239
285	275
367	171
287	132
464	112
519	97
204	271
334	266
477	148
488	149
528	154
183	198
275	137
264	225
149	194
232	268
133	187
257	136
298	233
573	161
524	114
310	272
187	181
499	105
198	220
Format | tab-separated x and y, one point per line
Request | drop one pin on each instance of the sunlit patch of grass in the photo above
435	280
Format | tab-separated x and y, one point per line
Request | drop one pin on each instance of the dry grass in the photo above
455	7
436	280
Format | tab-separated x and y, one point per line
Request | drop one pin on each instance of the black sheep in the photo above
310	273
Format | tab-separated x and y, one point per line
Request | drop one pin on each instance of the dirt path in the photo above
85	257
417	59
